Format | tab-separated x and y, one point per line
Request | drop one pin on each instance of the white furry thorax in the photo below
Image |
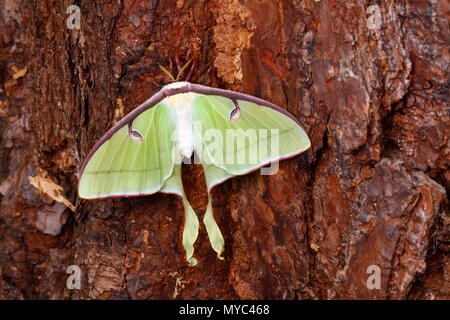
181	106
175	85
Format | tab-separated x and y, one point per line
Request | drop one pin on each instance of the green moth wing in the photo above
137	160
174	185
127	166
259	136
233	145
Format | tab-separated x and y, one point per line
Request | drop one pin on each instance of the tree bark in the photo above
367	79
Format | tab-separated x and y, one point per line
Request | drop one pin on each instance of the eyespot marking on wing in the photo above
235	114
134	135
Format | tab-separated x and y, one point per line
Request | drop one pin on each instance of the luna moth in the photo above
230	133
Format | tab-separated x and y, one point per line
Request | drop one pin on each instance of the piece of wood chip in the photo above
315	247
118	112
51	189
2	108
18	73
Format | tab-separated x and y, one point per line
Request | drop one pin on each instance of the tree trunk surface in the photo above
367	79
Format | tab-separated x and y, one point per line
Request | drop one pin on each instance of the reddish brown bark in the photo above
367	79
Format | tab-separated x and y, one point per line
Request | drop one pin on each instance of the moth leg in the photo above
190	71
156	84
170	65
177	61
